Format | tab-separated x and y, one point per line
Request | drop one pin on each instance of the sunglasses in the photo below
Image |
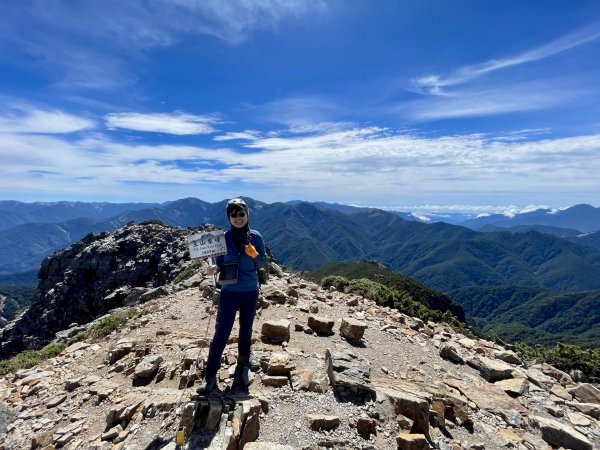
237	214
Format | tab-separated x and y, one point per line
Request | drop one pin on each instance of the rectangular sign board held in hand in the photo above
208	244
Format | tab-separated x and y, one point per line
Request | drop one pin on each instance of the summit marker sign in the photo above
207	245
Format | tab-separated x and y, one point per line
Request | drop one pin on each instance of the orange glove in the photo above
251	251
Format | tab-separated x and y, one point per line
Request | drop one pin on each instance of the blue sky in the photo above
455	105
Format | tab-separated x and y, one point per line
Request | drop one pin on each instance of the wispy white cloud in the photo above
434	210
246	135
321	127
520	135
349	164
176	123
363	165
301	113
434	84
427	212
21	118
496	99
90	44
233	21
512	212
478	90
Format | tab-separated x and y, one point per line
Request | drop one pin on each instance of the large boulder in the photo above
322	422
275	331
451	351
344	371
321	325
352	329
490	369
411	402
586	393
559	435
280	364
148	367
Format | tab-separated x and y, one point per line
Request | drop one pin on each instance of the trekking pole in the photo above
211	262
210	311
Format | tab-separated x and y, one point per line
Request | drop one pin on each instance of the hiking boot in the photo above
208	386
239	386
243	376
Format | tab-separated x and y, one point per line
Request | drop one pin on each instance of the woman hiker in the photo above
239	292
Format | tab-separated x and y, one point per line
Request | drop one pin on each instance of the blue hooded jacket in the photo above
247	266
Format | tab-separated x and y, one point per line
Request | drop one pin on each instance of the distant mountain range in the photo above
550	258
584	218
13	213
309	235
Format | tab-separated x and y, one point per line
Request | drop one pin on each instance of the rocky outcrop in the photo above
99	273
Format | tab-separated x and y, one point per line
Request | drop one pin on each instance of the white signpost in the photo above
207	245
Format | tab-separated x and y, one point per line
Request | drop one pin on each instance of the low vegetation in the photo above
566	358
410	289
393	298
30	358
190	270
104	327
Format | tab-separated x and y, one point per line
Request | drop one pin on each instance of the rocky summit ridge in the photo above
337	371
99	273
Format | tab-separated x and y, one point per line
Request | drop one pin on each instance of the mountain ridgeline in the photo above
468	264
15	213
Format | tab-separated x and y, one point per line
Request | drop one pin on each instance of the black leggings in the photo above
229	304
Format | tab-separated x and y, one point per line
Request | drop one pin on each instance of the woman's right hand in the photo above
212	270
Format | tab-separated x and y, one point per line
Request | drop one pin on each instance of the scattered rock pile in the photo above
336	371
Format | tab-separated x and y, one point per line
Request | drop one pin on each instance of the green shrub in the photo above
78	338
23	360
52	350
565	357
108	325
399	299
30	358
340	283
136	313
372	290
526	351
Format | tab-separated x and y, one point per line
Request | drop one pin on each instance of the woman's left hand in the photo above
251	251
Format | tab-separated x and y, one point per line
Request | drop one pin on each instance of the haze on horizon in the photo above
472	106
